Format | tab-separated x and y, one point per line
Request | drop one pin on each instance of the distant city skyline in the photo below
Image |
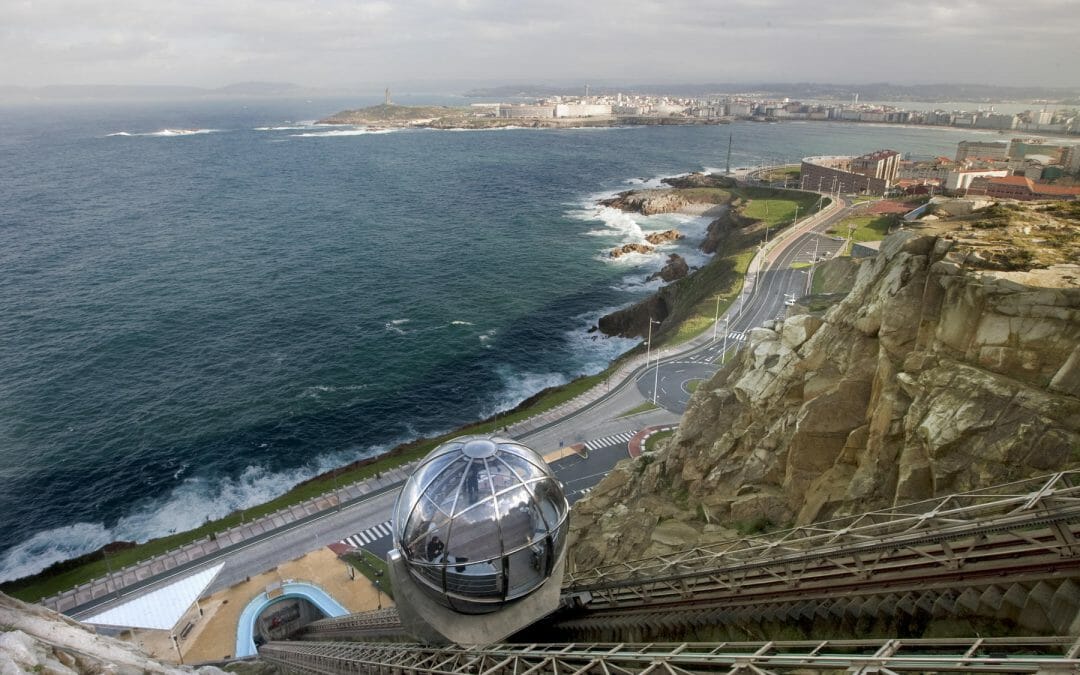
338	43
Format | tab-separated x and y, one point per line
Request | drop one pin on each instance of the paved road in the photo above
578	475
673	380
606	418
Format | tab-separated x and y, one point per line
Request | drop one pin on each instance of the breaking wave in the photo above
343	132
189	505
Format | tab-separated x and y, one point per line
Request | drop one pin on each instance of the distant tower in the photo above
855	100
586	92
386	97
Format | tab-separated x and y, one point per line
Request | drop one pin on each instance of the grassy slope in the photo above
867	228
693	314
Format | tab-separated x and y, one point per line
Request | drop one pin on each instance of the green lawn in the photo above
652	441
866	228
783	173
693	385
799	265
644	407
373	567
777	207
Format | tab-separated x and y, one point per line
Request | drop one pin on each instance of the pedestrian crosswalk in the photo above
598	443
373	533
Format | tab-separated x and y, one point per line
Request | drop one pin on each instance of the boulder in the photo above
658	238
630	248
675	269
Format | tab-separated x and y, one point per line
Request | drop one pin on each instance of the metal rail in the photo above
378	623
975	655
953	532
933	555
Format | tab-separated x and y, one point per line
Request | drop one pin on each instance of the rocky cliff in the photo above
37	640
944	369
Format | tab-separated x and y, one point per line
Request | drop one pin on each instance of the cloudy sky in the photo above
341	42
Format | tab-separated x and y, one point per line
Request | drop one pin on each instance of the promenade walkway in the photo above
206	549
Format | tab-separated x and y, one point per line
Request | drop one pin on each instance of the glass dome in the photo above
480	523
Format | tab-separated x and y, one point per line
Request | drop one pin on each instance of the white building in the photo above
582	109
960	179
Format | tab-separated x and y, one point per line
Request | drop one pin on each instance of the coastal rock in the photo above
730	225
38	640
633	321
929	377
630	248
652	202
658	238
701	180
675	269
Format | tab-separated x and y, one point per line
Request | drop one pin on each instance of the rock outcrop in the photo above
37	640
630	248
652	202
934	375
674	269
658	238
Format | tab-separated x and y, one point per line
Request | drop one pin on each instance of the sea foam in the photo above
196	500
342	132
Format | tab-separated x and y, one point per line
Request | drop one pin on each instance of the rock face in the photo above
650	202
630	248
34	639
675	269
658	238
720	229
931	377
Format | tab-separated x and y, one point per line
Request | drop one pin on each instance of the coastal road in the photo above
622	410
786	278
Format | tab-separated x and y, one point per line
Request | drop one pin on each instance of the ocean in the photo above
206	303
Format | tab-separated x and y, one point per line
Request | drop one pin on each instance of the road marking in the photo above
598	443
373	533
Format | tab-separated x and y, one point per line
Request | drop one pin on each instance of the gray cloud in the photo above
343	42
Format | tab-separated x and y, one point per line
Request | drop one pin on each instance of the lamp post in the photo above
716	319
176	644
656	377
648	342
648	351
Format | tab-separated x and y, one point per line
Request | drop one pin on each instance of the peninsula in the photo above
389	115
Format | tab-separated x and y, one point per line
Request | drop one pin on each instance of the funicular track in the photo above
1004	655
1010	552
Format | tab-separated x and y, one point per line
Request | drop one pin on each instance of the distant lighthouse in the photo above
386	97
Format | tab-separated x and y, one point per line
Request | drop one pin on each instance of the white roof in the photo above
160	608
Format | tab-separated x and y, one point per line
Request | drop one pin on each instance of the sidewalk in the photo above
202	550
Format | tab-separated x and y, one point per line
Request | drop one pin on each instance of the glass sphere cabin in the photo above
481	523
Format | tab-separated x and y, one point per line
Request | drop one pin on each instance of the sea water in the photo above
202	304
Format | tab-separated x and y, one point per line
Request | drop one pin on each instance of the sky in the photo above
330	43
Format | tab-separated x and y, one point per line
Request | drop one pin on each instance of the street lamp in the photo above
727	324
716	319
648	342
656	378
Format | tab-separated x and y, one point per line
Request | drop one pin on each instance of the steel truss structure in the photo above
1007	530
378	623
1003	655
995	550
